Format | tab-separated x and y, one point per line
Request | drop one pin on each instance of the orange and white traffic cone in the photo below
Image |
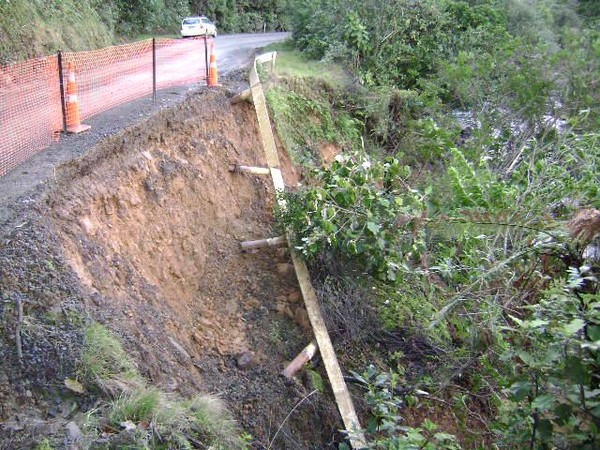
74	124
213	73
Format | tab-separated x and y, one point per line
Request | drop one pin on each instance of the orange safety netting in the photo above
181	61
30	109
31	113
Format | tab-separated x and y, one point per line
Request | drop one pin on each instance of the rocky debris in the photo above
149	247
180	350
285	269
245	360
73	432
294	297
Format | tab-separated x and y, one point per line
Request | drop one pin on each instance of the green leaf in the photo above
536	323
384	202
545	429
520	390
543	403
372	425
373	227
573	327
563	412
575	370
593	332
516	320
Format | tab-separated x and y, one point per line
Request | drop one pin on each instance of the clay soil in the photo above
142	234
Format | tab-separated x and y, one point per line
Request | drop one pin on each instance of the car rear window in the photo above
191	21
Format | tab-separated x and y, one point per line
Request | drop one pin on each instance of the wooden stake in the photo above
269	242
245	95
18	330
303	357
249	169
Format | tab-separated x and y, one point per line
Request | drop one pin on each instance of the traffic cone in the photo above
74	124
213	73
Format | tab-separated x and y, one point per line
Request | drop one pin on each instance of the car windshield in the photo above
191	21
205	20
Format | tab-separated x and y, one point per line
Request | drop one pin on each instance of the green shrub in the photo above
553	397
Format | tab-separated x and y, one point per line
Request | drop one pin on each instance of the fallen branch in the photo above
288	416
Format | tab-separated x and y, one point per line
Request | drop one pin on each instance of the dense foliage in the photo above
471	202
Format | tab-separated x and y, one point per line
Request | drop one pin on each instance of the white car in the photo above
198	26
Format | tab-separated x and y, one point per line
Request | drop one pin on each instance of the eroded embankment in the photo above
150	221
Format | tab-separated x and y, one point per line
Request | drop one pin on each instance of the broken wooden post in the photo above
249	169
269	242
18	329
245	95
303	357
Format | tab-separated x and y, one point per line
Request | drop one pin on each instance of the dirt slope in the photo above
142	234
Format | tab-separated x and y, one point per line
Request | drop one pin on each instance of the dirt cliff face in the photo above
142	235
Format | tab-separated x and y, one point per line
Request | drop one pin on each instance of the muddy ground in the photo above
141	233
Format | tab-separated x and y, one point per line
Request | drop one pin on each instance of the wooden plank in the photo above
334	373
260	243
264	124
277	180
265	57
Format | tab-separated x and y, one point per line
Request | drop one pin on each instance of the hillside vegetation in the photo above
463	208
33	28
450	206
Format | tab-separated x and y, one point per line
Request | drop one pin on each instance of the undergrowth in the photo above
452	202
135	414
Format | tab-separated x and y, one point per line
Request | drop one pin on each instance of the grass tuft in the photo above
104	361
142	416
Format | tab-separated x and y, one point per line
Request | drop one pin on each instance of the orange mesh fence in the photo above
181	61
30	109
31	112
110	76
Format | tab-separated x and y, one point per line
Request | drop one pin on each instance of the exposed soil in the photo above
142	234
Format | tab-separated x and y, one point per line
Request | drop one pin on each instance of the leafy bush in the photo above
306	122
361	209
553	399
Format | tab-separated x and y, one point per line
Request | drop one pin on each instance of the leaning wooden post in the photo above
249	169
303	357
260	243
245	95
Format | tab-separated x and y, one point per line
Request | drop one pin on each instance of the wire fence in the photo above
36	102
